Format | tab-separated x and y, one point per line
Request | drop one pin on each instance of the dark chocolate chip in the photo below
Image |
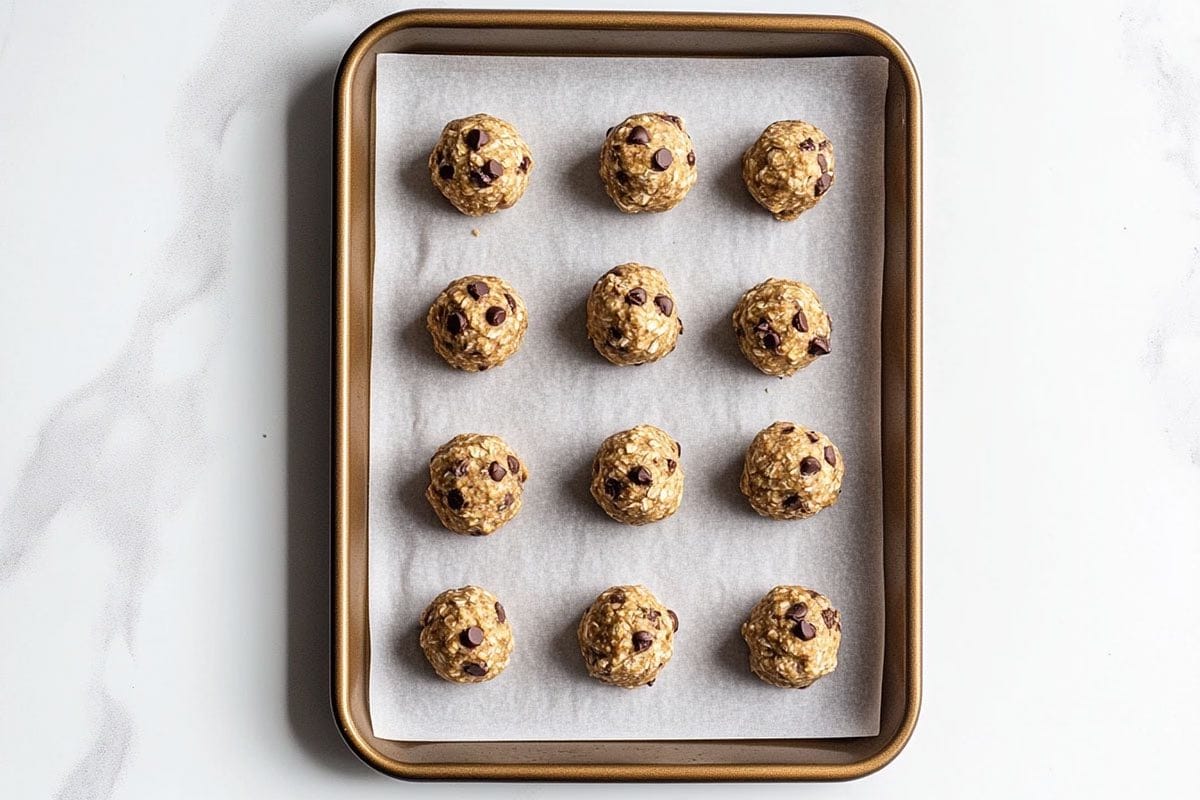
813	436
501	614
651	614
474	670
638	135
514	466
642	641
495	315
455	499
636	297
819	346
640	476
788	429
771	340
456	322
614	333
612	488
472	637
665	304
496	472
617	598
480	179
671	465
460	468
674	619
796	611
650	682
661	159
805	630
800	322
622	176
691	158
493	168
610	130
825	145
506	502
446	171
674	120
830	617
524	165
477	289
678	449
512	304
476	533
808	144
809	466
822	163
476	138
791	501
831	455
823	184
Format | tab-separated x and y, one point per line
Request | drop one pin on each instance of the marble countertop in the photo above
165	206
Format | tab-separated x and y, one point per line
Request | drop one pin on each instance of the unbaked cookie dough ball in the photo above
481	164
637	477
789	168
781	326
477	322
647	163
632	317
466	636
793	634
791	472
626	636
475	483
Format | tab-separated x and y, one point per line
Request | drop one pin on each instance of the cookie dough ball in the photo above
637	477
793	634
781	327
789	168
791	472
647	163
475	483
632	317
477	322
481	164
466	636
626	636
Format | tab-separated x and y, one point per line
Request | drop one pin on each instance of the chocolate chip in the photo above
791	501
825	145
472	637
622	176
762	325
476	138
674	619
822	163
614	333
506	502
671	118
477	289
446	171
830	617
661	159
809	466
456	322
823	184
788	429
610	130
612	488
642	641
831	455
460	468
636	297
512	304
493	169
800	322
514	466
474	670
678	449
691	158
650	682
524	165
671	465
480	179
640	476
808	144
665	304
616	598
496	472
771	340
813	436
638	135
796	611
805	630
455	499
495	315
819	346
501	614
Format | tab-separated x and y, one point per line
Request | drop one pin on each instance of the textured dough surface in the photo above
791	472
475	483
466	635
647	163
477	322
789	168
793	634
632	317
463	164
637	477
781	326
626	636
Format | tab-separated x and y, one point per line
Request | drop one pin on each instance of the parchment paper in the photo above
557	399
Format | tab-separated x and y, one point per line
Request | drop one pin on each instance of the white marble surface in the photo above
164	376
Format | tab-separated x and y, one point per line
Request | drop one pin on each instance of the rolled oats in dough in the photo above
481	164
790	168
791	472
466	635
793	634
632	317
626	636
637	477
648	163
475	483
477	322
781	326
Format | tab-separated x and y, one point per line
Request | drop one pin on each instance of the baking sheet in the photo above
556	400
